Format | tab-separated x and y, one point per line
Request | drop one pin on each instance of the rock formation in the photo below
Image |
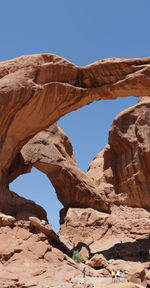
37	90
51	152
117	175
122	170
32	255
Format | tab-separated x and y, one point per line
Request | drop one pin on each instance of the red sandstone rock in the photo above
122	169
98	260
43	226
137	275
6	220
28	259
51	152
55	158
82	225
36	91
122	237
39	89
84	252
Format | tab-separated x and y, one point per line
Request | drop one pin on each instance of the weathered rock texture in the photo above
29	254
117	175
51	152
122	237
124	234
122	169
37	90
137	275
32	255
28	257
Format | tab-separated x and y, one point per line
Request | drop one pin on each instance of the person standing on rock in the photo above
83	272
113	276
118	275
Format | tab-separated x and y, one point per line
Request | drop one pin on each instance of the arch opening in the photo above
88	127
37	187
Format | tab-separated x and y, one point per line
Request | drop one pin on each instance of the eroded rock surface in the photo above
117	175
122	237
51	152
122	169
28	257
36	90
31	257
138	275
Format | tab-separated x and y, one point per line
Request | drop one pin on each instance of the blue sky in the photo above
81	31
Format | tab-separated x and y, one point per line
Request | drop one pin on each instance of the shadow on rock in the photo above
128	251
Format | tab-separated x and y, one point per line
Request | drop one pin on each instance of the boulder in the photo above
84	252
6	220
98	260
137	275
43	226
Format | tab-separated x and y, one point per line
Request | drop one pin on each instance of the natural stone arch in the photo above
51	152
118	175
37	90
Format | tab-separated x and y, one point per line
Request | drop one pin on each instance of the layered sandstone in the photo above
31	254
122	169
117	175
37	90
51	152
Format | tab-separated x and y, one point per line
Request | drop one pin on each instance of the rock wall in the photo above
122	170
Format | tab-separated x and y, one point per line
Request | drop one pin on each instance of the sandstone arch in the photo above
51	152
37	90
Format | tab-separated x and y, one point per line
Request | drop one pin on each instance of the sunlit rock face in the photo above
122	169
51	152
36	90
119	175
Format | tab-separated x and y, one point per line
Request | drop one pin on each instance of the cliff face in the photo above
122	170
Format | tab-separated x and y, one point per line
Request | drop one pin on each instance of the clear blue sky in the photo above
81	31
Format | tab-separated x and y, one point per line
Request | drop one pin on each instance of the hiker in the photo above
84	271
118	275
113	276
